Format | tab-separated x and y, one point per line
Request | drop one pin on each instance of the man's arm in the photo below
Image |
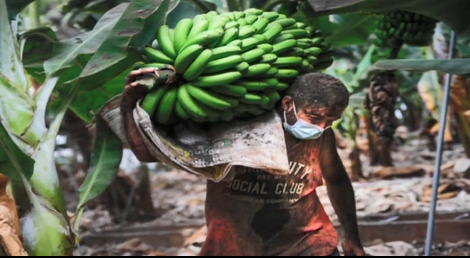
341	193
133	91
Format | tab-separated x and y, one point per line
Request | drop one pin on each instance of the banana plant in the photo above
64	71
349	123
26	152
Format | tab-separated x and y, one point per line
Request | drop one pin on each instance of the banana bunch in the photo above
399	27
229	65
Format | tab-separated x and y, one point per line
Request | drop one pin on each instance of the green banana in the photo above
242	22
303	45
197	66
164	40
225	51
271	82
311	59
157	56
300	25
249	43
284	46
313	51
251	98
253	55
297	33
261	38
286	22
239	15
230	90
246	31
272	71
265	101
266	47
182	29
316	41
212	114
207	98
207	81
268	58
272	32
281	86
199	26
242	67
283	37
270	16
281	16
229	99
231	25
223	64
151	100
253	11
250	19
261	23
229	14
257	69
236	64
188	103
180	112
288	61
166	106
204	38
237	42
287	73
186	57
218	22
229	36
254	85
273	95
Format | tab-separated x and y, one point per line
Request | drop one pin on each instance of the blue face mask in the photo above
303	130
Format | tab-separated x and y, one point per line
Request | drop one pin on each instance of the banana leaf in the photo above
460	66
454	13
16	6
105	161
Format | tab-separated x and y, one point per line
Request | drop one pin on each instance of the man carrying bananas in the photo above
260	214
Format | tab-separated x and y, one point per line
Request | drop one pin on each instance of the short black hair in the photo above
318	89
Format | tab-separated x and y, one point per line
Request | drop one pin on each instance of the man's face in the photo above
313	114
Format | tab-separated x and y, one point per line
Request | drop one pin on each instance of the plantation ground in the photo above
179	199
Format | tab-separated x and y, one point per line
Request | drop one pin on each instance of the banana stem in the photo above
246	4
200	6
34	14
271	4
233	5
395	52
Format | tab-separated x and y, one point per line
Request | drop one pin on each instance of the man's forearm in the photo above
342	198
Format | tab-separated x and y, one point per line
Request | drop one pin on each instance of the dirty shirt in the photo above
259	214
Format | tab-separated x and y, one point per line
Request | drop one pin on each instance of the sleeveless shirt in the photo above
259	214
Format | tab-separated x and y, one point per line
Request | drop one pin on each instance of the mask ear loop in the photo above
295	113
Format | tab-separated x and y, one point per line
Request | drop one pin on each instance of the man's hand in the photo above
134	91
352	249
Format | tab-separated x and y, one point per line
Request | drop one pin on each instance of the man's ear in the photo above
287	104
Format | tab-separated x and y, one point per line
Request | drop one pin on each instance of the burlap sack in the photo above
212	151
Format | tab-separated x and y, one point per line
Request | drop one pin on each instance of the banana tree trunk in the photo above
372	140
356	164
385	153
